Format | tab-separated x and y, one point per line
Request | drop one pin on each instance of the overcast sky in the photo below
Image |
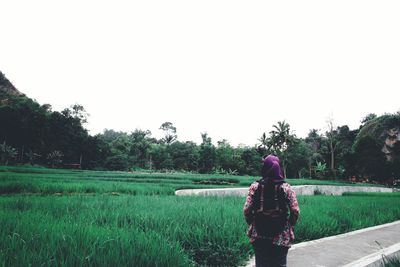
229	68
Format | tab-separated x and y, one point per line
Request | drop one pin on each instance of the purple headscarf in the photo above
271	169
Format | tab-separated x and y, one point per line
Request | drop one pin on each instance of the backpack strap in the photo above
261	209
276	200
277	187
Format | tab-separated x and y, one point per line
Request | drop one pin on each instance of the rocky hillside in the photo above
6	87
385	129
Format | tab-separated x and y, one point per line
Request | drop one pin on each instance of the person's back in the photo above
271	209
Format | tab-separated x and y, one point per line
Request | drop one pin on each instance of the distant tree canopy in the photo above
34	134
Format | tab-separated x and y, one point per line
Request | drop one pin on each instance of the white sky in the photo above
230	68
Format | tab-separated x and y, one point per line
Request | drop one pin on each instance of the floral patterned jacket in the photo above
284	238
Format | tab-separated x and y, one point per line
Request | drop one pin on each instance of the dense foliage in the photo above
33	133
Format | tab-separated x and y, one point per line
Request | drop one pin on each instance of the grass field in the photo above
144	225
25	179
393	261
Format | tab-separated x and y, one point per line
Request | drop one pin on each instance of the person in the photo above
271	242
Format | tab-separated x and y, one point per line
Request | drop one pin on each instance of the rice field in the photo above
391	261
38	180
54	221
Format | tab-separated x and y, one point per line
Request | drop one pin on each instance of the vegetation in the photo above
326	215
391	262
108	216
34	134
106	229
39	180
94	218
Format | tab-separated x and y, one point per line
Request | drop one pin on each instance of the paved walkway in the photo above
299	189
360	248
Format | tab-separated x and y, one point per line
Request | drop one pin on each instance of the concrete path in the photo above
299	189
360	248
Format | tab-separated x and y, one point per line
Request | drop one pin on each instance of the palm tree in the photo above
7	153
279	141
263	143
55	158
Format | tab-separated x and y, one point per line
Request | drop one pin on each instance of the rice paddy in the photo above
85	218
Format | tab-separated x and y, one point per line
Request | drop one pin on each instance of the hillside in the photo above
386	130
6	87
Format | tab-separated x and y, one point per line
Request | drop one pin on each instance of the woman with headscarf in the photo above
271	210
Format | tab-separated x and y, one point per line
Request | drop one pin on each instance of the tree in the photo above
79	113
279	140
32	156
121	145
345	141
65	133
315	142
368	118
185	155
110	135
250	160
117	162
140	142
207	154
332	139
23	123
395	164
314	139
169	132
299	156
7	153
54	158
262	147
371	161
320	169
35	129
95	151
224	156
160	157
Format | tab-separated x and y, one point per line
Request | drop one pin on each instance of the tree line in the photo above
31	133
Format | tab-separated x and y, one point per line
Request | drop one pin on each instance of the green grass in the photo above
144	224
104	230
391	262
38	180
146	231
331	215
